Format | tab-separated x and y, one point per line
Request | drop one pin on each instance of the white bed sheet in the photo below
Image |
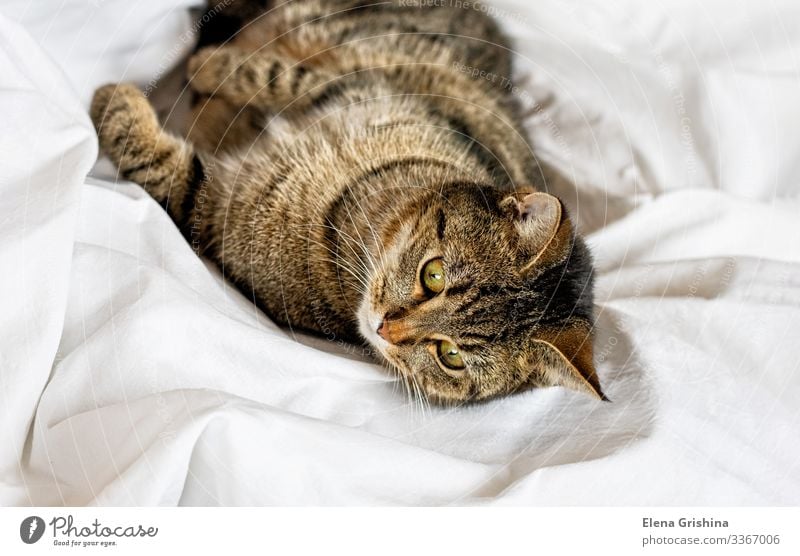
132	374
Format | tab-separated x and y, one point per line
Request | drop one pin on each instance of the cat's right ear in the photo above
539	219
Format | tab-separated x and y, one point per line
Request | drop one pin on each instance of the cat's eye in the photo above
449	355
432	277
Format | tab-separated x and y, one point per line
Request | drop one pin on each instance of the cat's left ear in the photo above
540	220
564	356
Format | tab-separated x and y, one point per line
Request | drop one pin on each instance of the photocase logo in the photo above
31	529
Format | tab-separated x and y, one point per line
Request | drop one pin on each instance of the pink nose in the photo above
395	330
383	331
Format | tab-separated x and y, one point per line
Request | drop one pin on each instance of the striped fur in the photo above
338	145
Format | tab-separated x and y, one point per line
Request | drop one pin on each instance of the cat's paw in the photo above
121	113
210	67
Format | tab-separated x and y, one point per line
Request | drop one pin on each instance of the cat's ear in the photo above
539	218
563	356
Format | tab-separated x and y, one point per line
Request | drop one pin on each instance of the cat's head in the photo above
481	294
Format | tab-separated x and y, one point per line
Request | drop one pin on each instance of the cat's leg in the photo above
268	81
130	134
218	126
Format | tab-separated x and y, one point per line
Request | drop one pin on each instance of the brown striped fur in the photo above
337	146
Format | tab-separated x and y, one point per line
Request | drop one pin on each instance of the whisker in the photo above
344	236
378	244
363	244
361	286
339	261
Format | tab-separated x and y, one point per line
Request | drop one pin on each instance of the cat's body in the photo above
339	148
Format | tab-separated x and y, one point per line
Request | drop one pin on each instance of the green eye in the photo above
449	355
433	276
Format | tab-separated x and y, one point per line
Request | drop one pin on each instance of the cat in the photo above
361	171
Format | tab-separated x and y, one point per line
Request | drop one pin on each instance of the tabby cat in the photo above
349	168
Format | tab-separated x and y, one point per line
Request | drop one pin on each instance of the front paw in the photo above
210	67
121	113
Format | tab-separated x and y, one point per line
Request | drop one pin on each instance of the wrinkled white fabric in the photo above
132	374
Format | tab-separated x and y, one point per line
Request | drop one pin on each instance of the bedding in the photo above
131	373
